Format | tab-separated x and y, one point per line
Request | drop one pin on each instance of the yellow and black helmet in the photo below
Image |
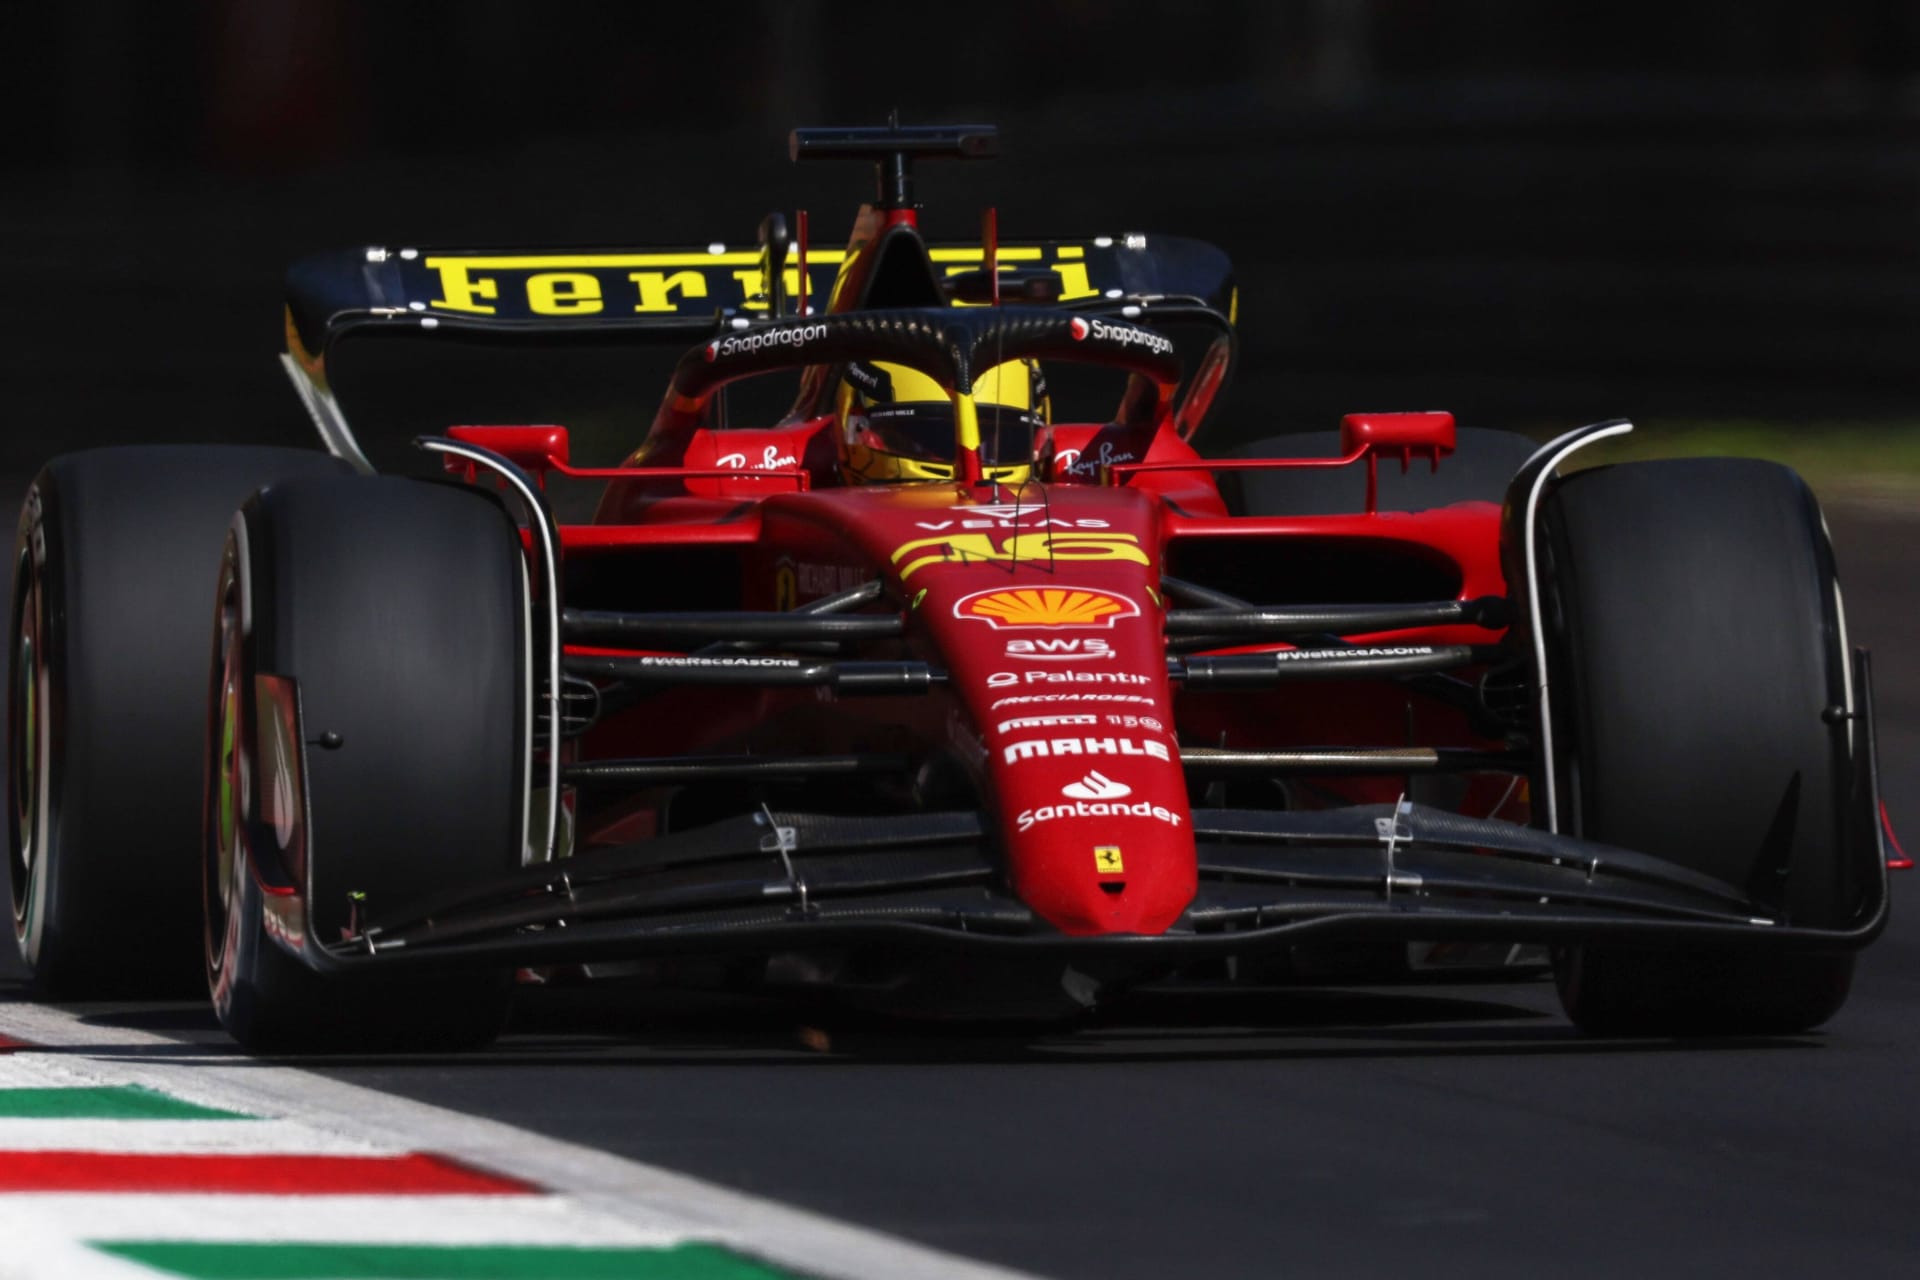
897	423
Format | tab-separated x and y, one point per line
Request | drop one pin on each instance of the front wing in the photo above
771	882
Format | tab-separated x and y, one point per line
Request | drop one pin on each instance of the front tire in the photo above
1697	653
394	612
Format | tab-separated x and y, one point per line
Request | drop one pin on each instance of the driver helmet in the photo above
897	423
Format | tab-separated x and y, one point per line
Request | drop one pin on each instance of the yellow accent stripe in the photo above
552	262
732	258
1004	253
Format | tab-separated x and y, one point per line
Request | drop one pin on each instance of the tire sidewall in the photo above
1762	641
266	995
119	547
41	592
1578	703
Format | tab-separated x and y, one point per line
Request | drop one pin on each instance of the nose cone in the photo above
1062	669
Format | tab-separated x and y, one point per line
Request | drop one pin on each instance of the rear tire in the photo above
1696	640
113	562
396	608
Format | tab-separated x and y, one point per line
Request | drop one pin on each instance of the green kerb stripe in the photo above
274	1261
122	1102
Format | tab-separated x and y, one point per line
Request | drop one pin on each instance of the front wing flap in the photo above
778	881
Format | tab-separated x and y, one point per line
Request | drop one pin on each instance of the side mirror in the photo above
1402	435
534	449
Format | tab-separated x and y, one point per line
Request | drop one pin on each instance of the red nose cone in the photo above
1058	656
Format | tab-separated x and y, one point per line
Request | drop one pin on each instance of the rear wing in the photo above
666	295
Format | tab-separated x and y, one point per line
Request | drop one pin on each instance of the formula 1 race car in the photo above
922	694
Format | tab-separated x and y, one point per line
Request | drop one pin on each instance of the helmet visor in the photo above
924	431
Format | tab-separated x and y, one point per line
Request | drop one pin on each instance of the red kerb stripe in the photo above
415	1174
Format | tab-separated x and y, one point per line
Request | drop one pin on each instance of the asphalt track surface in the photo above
1426	1129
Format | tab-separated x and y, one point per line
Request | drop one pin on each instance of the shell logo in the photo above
1005	608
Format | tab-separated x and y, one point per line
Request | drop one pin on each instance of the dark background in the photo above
1535	215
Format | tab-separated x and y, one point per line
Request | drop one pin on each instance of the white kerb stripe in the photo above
426	1220
642	1196
183	1137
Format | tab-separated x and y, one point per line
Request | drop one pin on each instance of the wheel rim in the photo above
27	743
228	776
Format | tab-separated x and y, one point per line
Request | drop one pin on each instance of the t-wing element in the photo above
892	149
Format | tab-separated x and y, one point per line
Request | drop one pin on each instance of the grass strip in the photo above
1840	460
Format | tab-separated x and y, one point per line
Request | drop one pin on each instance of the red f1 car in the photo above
923	693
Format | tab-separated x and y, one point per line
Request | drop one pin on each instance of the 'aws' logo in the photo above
1044	544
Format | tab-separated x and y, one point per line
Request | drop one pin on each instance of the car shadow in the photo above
560	1028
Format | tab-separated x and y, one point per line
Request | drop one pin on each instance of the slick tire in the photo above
1696	641
392	612
114	565
1478	470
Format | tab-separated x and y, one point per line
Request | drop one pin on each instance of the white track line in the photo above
476	1220
642	1197
182	1138
37	1251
